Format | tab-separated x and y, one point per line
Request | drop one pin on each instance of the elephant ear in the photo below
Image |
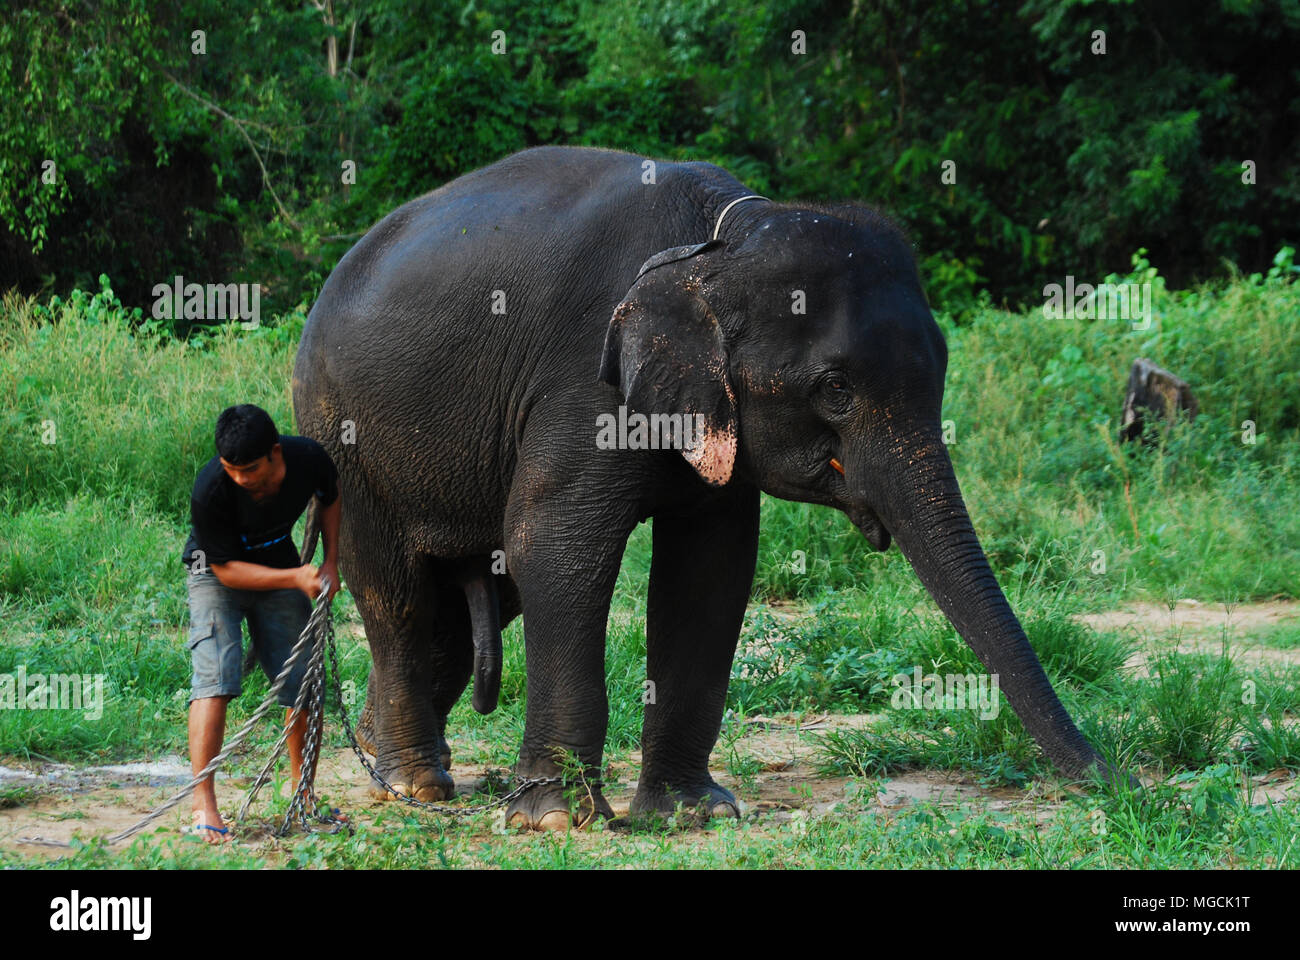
664	351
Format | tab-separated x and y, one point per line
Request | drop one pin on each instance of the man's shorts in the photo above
275	621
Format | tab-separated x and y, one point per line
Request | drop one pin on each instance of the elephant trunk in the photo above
923	508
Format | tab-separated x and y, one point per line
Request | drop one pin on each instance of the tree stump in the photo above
1154	393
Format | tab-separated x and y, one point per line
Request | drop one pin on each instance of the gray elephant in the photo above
476	347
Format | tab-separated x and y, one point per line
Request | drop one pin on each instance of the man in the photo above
243	565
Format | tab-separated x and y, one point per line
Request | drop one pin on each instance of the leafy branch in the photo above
240	126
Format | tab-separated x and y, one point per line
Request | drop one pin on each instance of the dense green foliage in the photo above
229	164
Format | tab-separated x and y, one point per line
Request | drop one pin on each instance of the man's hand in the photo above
307	579
331	569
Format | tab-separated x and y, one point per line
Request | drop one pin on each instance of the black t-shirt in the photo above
227	524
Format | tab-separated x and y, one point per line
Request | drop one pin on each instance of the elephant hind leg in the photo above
365	729
450	662
397	597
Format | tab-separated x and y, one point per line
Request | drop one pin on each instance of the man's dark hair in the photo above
245	433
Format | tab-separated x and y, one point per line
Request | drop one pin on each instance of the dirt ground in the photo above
103	800
1202	628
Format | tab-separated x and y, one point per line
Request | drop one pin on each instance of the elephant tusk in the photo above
836	465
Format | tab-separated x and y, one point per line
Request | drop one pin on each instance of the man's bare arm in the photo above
241	575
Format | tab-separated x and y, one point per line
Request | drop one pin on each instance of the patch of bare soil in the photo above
55	800
780	783
1202	628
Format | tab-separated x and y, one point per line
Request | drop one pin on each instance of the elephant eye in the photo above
836	397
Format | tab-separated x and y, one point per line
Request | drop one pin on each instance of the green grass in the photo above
17	796
1193	702
91	528
1282	636
91	554
89	408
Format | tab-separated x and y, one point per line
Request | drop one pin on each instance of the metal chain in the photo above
319	632
304	797
319	613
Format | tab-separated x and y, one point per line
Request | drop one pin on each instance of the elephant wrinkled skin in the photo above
468	347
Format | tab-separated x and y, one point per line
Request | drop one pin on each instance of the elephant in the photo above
460	365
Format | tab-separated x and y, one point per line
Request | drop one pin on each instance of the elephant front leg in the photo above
565	574
700	578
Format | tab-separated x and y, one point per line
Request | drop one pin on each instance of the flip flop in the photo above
198	828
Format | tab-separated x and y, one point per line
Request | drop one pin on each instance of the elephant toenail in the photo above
555	820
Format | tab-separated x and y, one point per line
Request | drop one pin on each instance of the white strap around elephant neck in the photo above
752	196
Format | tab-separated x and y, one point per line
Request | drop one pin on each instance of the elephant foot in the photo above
364	734
703	801
422	783
558	806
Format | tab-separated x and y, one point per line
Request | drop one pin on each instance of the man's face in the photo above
261	478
